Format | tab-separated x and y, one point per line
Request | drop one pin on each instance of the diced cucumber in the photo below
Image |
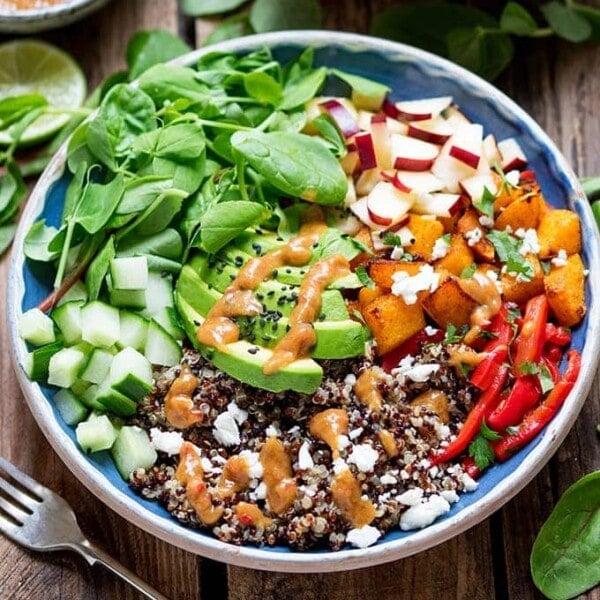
134	330
159	293
76	292
129	273
114	401
96	369
125	298
64	367
67	317
131	374
38	361
36	327
100	324
132	450
161	348
96	433
88	397
168	319
80	387
70	408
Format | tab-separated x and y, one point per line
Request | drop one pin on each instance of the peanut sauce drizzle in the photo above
277	475
250	514
367	391
346	493
483	290
219	328
328	425
234	478
436	401
179	407
388	442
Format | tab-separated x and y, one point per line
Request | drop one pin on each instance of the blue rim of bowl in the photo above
539	452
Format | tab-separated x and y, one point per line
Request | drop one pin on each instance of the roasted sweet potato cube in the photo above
425	232
565	289
515	289
366	294
474	234
559	229
458	258
364	237
449	304
523	213
381	270
392	321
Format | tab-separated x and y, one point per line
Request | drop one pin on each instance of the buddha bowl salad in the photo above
299	319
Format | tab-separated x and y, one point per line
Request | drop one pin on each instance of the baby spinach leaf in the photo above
166	243
299	90
566	22
230	28
159	214
288	121
98	269
74	191
333	241
148	48
186	176
141	192
98	203
37	241
266	15
564	559
7	233
179	142
262	87
294	163
203	8
224	221
14	108
516	19
326	127
12	191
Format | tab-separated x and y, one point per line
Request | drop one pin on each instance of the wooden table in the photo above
559	85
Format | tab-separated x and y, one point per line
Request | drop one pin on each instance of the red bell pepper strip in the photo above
552	366
483	375
412	345
538	418
530	341
524	395
484	406
553	352
557	335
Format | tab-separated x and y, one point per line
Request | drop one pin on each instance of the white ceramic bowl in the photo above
411	73
48	17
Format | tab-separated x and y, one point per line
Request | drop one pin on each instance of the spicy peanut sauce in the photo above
219	329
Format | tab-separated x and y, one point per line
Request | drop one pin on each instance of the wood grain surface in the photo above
559	85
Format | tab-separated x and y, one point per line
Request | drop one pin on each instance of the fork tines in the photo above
13	501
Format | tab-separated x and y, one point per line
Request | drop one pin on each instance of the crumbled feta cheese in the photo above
272	431
342	442
397	253
429	330
440	248
421	373
363	537
350	379
513	177
406	286
530	243
255	468
424	514
450	496
411	497
305	460
364	456
166	441
355	433
473	236
493	277
237	413
561	259
207	466
469	483
486	221
261	491
226	430
388	479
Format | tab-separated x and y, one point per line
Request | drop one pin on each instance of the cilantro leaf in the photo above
469	271
486	204
391	239
529	368
454	335
487	433
516	263
364	277
546	381
507	248
481	452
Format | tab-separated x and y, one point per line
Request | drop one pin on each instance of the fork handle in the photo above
93	554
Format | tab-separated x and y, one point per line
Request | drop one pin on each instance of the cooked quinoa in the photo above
406	491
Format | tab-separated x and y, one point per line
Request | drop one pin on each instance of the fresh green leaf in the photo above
481	452
294	163
486	204
516	19
299	90
166	243
453	335
488	434
469	271
203	8
15	108
592	16
566	22
148	48
37	241
519	266
529	368
141	192
7	233
94	277
74	190
504	243
333	241
564	558
391	239
266	15
158	215
364	277
224	221
263	87
180	142
546	381
366	94
330	133
12	191
288	121
232	27
98	203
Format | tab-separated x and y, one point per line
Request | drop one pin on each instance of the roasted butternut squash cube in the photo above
559	229
425	232
381	270
366	295
458	258
449	304
565	289
392	321
474	234
515	289
523	213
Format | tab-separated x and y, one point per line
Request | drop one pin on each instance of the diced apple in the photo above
418	181
467	144
389	108
381	141
366	151
342	117
366	181
512	154
474	186
450	170
364	119
420	110
398	229
350	162
455	118
437	204
435	131
351	193
490	149
387	205
361	211
411	154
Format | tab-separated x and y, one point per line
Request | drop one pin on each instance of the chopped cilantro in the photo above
407	257
513	313
454	335
487	433
505	182
546	268
364	278
516	263
529	368
486	204
469	271
507	247
391	239
546	381
481	452
446	238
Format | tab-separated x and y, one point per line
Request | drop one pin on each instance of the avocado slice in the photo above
245	361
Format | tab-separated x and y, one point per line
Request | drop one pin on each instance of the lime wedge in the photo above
32	66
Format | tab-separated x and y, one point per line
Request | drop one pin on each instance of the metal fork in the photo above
39	519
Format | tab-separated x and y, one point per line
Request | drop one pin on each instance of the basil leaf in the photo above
224	221
564	558
94	277
517	19
566	22
266	15
202	8
230	28
148	48
294	163
37	242
7	233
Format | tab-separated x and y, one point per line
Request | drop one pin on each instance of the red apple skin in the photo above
400	224
380	220
342	117
412	164
516	164
426	136
389	108
470	159
412	117
366	151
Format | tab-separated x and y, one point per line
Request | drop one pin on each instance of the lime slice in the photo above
32	66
